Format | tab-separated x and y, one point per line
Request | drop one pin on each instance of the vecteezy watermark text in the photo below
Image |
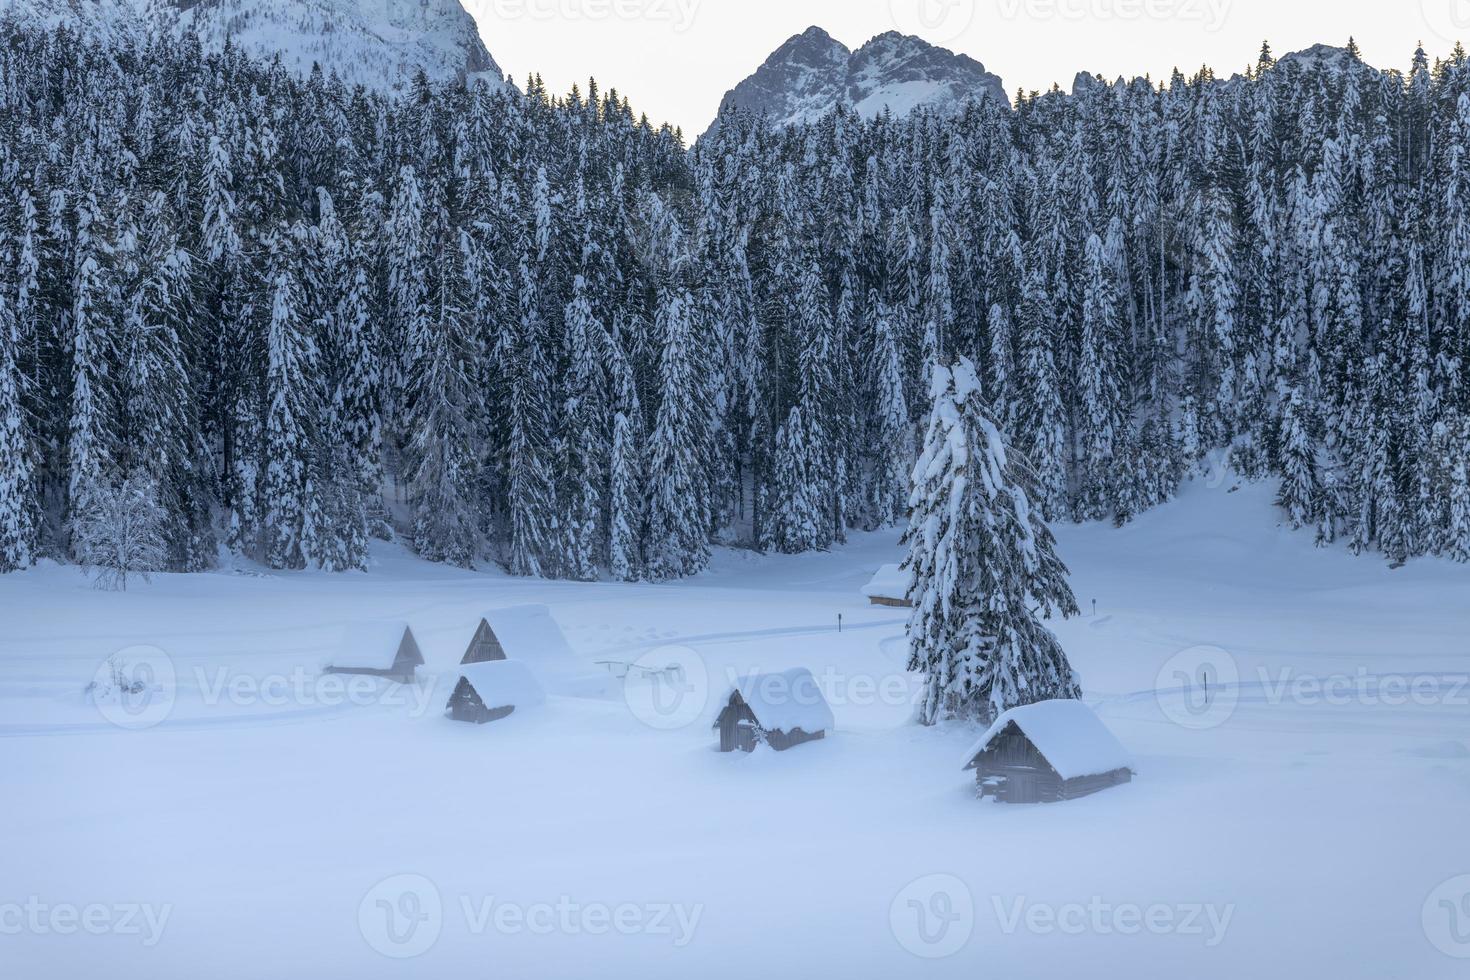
403	916
1206	921
1211	14
40	918
679	14
306	688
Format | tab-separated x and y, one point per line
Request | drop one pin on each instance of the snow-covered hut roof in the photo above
786	701
529	633
1071	737
374	644
891	582
504	684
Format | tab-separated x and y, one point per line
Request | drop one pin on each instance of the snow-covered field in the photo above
1309	822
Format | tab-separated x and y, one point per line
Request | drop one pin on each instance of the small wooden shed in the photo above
492	690
484	647
385	649
526	633
890	587
1047	753
782	710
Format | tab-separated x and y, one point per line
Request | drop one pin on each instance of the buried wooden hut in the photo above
391	645
485	646
492	690
890	587
520	632
1046	753
781	710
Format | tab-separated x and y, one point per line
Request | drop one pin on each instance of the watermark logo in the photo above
936	21
667	688
401	917
1448	19
933	916
305	688
1446	918
404	916
135	688
1198	688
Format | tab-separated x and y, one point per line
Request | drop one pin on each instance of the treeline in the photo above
285	316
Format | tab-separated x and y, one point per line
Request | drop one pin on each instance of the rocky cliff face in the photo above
811	73
380	44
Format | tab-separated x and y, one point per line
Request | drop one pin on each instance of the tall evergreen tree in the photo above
984	568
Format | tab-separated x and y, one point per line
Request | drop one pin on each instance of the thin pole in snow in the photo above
839	622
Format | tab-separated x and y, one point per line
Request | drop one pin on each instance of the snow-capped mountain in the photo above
377	43
812	72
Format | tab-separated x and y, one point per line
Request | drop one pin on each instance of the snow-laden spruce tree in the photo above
625	490
1459	533
678	515
17	502
984	565
894	450
291	405
1299	485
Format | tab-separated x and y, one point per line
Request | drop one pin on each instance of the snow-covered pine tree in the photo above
93	430
677	543
984	565
357	400
798	517
893	463
1458	535
291	406
625	489
442	411
1040	418
157	388
18	505
803	461
581	451
1299	486
1101	423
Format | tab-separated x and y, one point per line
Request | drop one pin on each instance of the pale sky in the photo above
675	58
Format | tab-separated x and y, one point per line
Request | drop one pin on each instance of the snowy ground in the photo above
1310	822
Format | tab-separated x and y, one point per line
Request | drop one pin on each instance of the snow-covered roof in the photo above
371	643
786	701
504	684
529	633
1073	738
891	582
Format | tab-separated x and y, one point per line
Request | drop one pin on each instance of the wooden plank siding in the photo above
738	727
1016	771
465	705
484	647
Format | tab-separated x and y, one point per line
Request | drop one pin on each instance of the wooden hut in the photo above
485	646
384	649
781	710
526	633
1047	753
890	587
492	690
